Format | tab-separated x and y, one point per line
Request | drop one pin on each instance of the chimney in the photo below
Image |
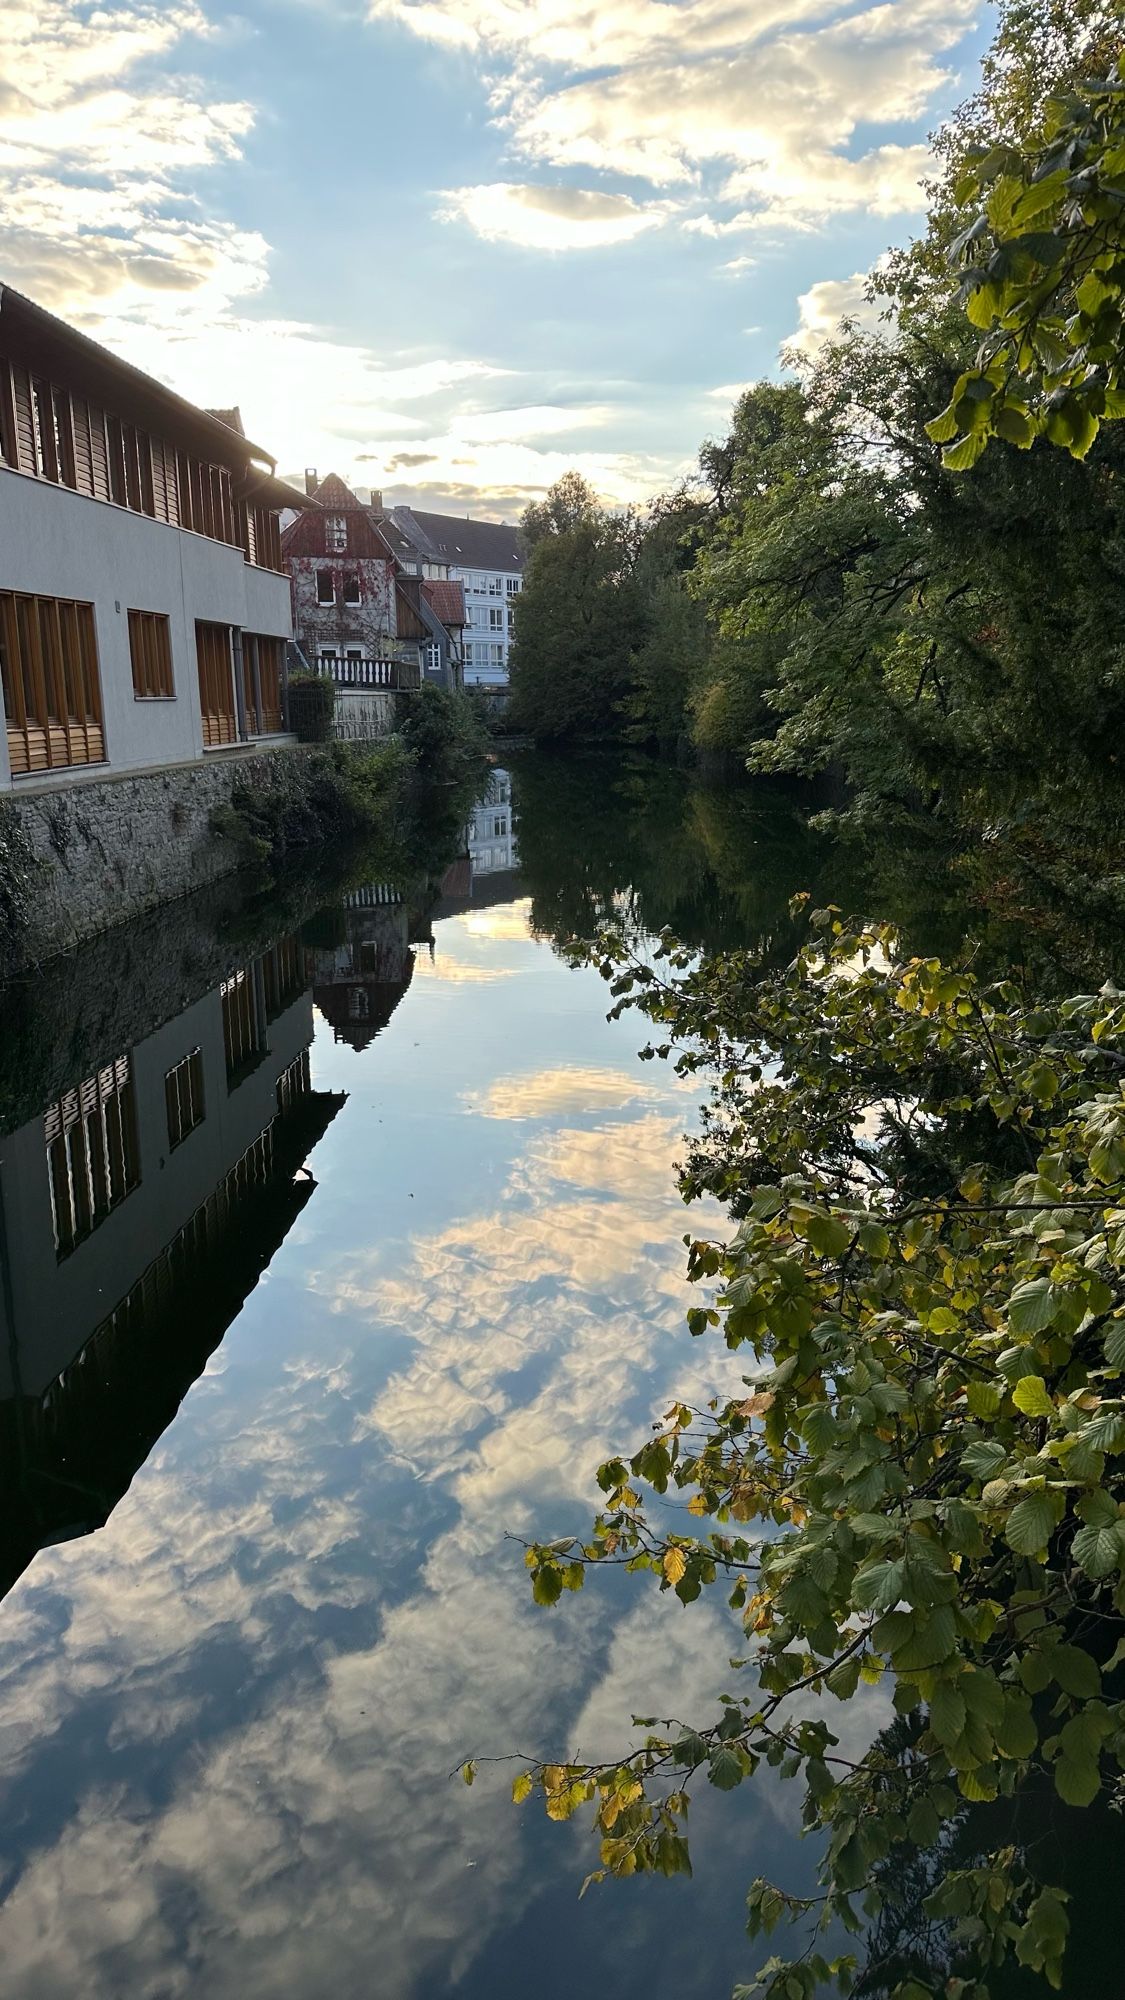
376	501
311	481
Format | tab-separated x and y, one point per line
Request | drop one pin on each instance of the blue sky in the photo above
450	247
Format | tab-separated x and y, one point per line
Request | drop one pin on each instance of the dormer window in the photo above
336	534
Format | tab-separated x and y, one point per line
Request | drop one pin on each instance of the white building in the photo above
144	613
487	559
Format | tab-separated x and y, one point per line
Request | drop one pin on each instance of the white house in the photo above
486	557
144	613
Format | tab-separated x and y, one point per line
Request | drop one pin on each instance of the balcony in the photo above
349	671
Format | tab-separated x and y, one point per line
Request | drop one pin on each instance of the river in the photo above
341	1243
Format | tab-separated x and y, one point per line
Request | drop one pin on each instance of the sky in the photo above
451	250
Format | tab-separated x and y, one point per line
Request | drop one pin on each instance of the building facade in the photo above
144	614
362	608
486	558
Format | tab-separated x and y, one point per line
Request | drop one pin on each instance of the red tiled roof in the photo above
331	492
447	599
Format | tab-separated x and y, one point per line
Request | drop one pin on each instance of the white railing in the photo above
349	672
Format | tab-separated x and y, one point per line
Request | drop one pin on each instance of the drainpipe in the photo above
239	690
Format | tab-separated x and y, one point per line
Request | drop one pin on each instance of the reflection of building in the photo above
490	836
359	979
488	871
143	619
136	1214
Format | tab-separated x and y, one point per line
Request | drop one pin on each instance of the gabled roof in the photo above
468	544
447	598
331	492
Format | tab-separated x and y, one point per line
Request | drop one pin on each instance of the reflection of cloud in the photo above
296	1640
545	1092
508	921
458	971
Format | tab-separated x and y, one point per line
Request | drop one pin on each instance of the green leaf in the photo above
1032	1307
547	1586
1032	1396
878	1587
725	1768
947	1712
963	456
1097	1550
1031	1524
844	1679
1073	1670
1077	1780
1115	1345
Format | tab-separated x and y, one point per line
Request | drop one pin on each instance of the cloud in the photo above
773	96
823	307
549	218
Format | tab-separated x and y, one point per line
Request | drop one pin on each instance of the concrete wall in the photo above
106	848
363	715
55	543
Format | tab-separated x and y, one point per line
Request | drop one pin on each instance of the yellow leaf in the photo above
554	1777
675	1564
697	1504
522	1788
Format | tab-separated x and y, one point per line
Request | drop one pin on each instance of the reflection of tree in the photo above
717	865
1079	1851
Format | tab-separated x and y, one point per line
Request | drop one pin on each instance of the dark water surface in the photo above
337	1242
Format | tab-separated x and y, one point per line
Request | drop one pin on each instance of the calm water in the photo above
274	1396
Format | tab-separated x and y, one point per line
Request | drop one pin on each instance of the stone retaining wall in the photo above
363	715
76	860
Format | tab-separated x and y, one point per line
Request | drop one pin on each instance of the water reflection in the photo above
392	1151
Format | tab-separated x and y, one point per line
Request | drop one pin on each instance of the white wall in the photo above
484	670
55	543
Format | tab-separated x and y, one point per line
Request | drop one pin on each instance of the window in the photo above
262	661
52	693
183	1095
216	683
294	1083
499	828
325	587
150	649
336	534
495	586
496	656
351	588
92	1159
495	618
282	977
468	653
511	585
242	1028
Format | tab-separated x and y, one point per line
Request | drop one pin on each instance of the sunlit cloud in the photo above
541	217
824	308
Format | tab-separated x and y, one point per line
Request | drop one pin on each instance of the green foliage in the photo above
442	728
312	705
570	503
1043	256
921	1482
342	793
580	616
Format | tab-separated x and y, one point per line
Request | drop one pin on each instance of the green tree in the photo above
921	1481
1043	257
569	503
580	619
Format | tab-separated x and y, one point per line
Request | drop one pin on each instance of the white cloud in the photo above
549	218
774	94
825	305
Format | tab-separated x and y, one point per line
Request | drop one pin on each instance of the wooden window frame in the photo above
93	1157
216	684
51	683
185	1099
150	655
